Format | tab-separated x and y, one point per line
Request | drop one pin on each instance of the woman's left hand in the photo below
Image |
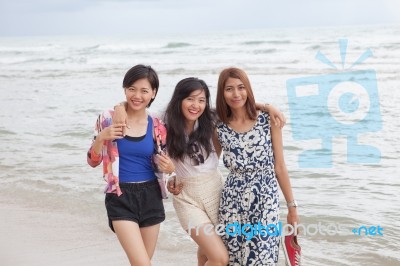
292	217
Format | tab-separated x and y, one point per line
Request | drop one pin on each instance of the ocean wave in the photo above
117	49
6	132
90	48
174	71
90	111
314	47
41	185
265	51
78	134
177	45
392	46
253	42
164	52
39	60
64	146
43	60
113	48
266	42
292	148
279	42
28	49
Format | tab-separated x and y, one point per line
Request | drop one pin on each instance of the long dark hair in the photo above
177	144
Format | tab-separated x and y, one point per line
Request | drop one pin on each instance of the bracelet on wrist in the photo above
292	203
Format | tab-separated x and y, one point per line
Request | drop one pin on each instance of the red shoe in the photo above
292	250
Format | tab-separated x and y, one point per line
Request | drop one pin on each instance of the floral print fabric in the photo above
250	194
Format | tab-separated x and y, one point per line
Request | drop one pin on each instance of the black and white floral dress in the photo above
250	195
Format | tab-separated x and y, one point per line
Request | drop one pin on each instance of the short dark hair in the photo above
141	72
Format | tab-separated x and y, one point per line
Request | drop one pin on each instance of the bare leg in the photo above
150	235
211	246
129	236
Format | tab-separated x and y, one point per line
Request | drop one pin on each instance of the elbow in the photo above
91	162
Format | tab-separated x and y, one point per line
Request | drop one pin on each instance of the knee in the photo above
224	259
141	263
201	257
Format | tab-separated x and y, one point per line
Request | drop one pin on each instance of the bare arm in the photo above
282	173
120	115
217	145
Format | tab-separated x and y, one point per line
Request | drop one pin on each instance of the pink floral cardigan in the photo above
109	154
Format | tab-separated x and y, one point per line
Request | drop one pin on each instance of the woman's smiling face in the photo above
193	106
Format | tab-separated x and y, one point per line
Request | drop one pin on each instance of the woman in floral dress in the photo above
253	153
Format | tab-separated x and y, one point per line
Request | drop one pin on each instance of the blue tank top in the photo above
135	157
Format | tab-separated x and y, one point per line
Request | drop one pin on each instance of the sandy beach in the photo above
43	229
49	235
33	233
40	237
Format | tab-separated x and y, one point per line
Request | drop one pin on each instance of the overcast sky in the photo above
103	17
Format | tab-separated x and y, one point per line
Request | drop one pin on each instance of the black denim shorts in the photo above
140	203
